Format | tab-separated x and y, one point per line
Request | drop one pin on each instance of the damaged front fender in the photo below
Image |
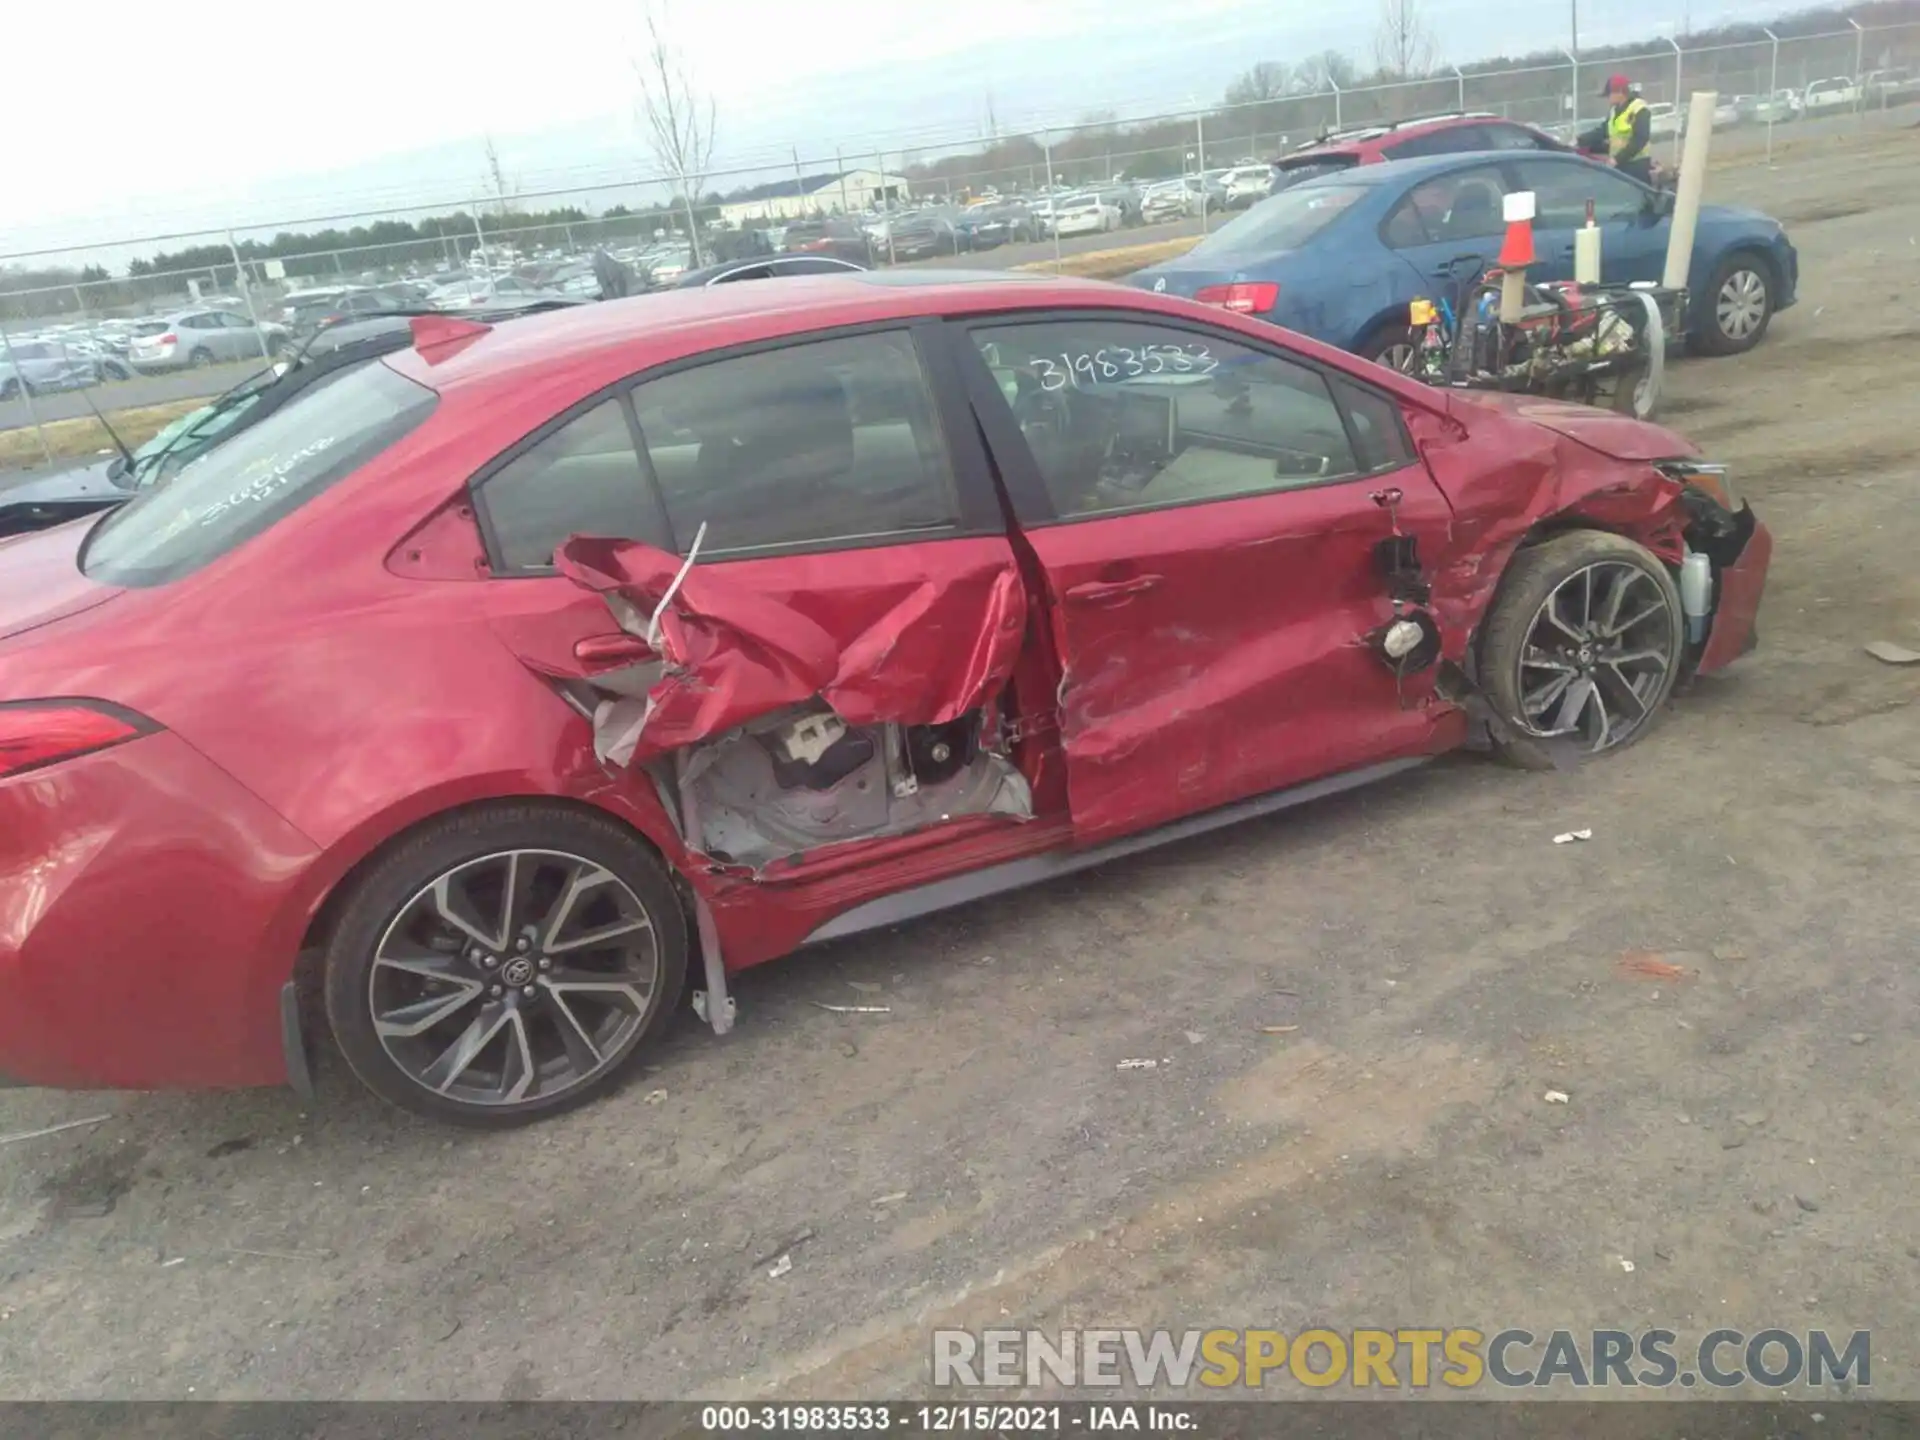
1540	478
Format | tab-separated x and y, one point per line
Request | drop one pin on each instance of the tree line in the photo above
1268	100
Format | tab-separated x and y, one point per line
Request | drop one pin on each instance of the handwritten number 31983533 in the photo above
1116	363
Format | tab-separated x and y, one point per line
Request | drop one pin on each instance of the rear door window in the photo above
241	488
829	443
582	479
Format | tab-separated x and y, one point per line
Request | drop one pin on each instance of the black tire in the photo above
1532	576
114	370
1378	346
381	895
1730	296
200	359
276	346
13	389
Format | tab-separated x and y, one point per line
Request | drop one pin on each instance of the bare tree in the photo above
1265	81
1403	46
677	120
1326	71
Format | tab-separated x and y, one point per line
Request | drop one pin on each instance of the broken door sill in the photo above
1016	874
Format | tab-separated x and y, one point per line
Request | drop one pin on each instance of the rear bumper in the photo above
149	915
1734	630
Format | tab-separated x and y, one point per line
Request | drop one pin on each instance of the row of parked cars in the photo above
1837	95
75	357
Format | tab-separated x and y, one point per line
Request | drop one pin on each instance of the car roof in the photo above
1359	138
1392	172
580	350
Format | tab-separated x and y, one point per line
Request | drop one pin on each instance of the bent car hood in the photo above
1619	437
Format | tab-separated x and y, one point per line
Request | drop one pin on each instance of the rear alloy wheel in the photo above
1741	297
200	359
505	965
1583	647
1393	347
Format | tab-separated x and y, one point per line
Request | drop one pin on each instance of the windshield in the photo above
1281	222
238	489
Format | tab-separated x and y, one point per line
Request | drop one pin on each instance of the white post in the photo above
1773	92
246	293
1679	79
1338	124
1573	55
1460	82
841	166
1693	183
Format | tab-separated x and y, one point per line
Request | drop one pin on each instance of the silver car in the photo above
36	366
194	338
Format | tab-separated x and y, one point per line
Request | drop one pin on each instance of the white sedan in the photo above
1085	215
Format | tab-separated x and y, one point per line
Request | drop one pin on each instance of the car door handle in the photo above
616	649
1458	263
1099	592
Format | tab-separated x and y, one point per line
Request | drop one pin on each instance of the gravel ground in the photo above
974	1156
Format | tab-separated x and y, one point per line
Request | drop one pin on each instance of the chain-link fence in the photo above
204	300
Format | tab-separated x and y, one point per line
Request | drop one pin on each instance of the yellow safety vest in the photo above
1620	127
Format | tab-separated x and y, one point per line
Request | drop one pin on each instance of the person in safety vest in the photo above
1625	134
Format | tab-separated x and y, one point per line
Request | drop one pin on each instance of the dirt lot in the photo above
1744	1137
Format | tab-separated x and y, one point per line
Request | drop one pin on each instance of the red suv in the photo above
1451	134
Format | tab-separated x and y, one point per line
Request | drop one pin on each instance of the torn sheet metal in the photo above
792	784
1552	468
923	653
728	654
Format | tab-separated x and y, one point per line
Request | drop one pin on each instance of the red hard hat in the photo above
1616	82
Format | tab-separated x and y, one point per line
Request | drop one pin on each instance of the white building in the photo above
801	195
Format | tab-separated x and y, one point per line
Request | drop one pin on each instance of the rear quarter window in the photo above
243	487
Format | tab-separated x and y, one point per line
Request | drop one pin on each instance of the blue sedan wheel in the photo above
1739	305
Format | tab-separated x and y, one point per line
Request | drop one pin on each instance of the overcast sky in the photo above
140	119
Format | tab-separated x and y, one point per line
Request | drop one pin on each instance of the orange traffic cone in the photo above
1518	210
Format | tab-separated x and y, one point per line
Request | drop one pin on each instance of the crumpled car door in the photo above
716	649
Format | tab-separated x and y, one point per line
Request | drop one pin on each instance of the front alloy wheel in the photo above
1597	657
490	983
1581	648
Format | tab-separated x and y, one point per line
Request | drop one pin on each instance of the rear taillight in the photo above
168	339
34	733
1243	298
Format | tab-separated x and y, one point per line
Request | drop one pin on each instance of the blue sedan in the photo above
1340	257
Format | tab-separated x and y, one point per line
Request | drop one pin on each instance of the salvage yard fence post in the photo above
26	393
1773	92
1679	96
1200	161
246	294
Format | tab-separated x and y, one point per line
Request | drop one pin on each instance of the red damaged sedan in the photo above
509	678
